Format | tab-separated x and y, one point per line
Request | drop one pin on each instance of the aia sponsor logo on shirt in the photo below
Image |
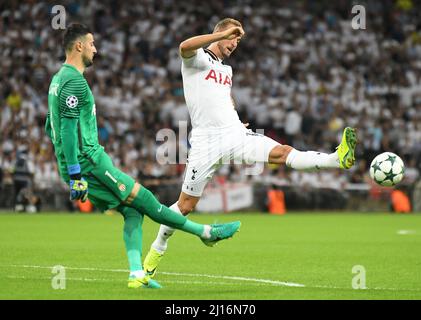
219	77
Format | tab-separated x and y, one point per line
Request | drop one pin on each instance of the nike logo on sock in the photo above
160	209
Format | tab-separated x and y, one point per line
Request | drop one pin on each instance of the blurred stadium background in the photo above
301	74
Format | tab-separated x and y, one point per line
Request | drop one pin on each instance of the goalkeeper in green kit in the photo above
83	164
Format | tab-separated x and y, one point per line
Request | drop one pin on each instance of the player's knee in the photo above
279	154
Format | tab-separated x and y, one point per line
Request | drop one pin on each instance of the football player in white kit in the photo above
217	132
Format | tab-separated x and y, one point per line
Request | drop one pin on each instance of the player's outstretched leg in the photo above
144	201
132	235
343	157
218	232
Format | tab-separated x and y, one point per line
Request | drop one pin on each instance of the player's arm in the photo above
188	47
72	93
47	126
69	136
233	101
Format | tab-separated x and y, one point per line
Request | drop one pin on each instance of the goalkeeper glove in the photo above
78	185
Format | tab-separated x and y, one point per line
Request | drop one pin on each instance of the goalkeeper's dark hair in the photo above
73	33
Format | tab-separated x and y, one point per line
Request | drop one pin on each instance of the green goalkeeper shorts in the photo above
108	186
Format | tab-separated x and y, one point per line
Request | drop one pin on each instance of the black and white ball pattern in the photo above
387	169
71	102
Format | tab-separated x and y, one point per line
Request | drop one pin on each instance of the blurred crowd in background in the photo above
301	73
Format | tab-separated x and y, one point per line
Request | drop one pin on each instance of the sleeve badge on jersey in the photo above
71	102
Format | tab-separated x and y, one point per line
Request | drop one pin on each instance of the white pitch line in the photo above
71	279
273	282
264	281
256	280
204	283
406	232
366	289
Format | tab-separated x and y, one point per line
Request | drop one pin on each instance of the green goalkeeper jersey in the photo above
71	120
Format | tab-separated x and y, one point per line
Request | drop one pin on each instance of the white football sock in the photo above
161	241
206	232
137	273
303	160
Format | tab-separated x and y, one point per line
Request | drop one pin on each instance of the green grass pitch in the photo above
296	256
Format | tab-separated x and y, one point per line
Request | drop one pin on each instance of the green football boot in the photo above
221	232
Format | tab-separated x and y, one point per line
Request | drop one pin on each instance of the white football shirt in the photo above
207	89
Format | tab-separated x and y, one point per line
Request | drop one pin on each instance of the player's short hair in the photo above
72	33
224	23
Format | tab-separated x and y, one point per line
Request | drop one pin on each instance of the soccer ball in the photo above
387	169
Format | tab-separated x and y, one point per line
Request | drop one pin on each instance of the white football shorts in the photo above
211	148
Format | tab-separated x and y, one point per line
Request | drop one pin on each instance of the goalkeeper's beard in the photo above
87	62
